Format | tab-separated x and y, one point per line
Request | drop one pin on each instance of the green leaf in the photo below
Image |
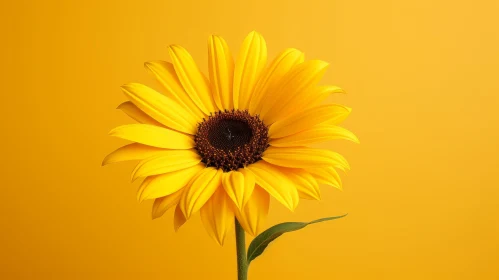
263	240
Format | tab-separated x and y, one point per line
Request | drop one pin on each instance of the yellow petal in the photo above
295	85
162	204
217	216
316	134
135	113
275	183
178	219
239	185
156	136
252	217
327	176
164	162
199	190
191	78
249	184
272	77
305	183
339	118
304	157
168	183
221	66
249	66
164	72
317	95
161	108
134	151
330	113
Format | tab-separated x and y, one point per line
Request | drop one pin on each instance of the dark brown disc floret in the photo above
230	140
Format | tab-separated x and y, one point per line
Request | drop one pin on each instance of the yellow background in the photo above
422	196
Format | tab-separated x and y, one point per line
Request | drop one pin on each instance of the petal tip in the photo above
105	161
212	38
119	107
112	132
134	176
322	64
184	211
255	33
127	86
148	65
173	49
141	197
220	241
292	207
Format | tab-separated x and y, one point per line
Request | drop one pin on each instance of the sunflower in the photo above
224	145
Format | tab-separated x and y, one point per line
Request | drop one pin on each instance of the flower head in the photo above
223	146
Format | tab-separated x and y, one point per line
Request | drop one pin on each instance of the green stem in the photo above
242	264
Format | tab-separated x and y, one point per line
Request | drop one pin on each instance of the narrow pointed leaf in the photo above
260	243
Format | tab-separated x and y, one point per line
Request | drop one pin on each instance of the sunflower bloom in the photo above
223	145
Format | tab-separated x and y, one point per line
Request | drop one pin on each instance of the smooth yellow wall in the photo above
422	196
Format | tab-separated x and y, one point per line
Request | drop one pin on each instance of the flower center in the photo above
231	140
